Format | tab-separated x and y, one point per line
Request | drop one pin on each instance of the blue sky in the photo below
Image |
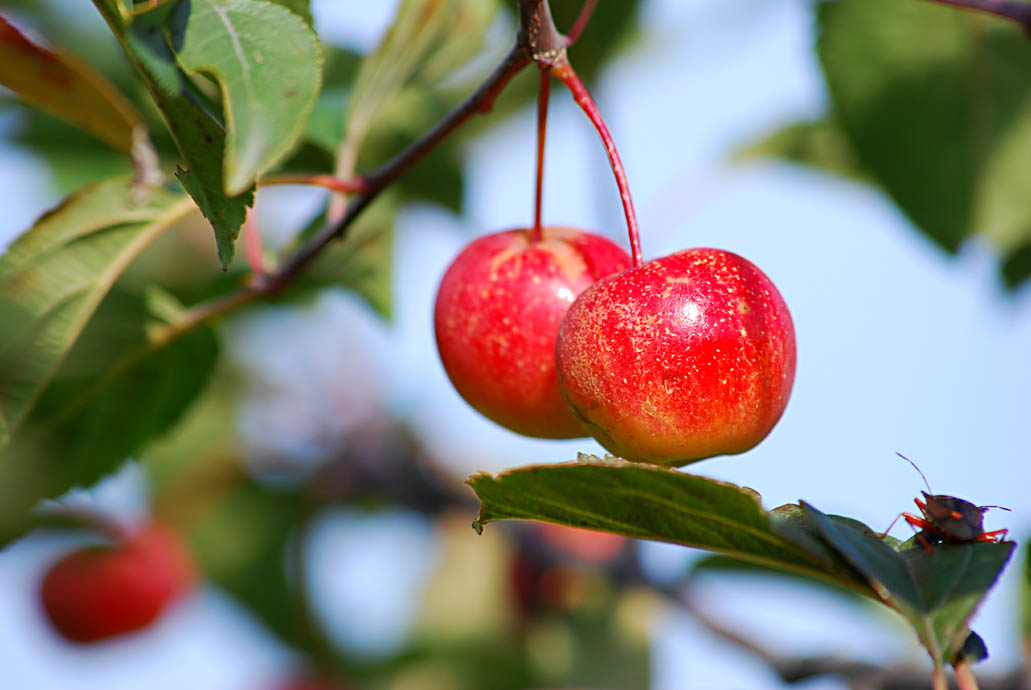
901	348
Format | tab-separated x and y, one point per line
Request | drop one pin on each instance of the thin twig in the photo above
479	101
1019	12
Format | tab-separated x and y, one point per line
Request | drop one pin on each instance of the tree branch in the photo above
1019	12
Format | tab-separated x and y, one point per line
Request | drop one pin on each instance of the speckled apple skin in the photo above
497	313
96	593
689	356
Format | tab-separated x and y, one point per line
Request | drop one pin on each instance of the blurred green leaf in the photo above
362	262
937	591
428	39
199	136
75	161
937	106
820	144
121	386
269	66
719	564
242	546
611	29
68	88
54	276
648	502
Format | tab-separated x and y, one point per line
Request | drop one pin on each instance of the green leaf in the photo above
937	105
302	8
199	136
648	502
242	546
820	144
612	27
268	64
362	262
937	591
427	39
68	88
54	276
125	383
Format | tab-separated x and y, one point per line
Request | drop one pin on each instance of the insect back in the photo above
946	518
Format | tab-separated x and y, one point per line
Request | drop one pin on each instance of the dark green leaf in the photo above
720	564
610	30
122	386
648	502
820	144
68	88
363	261
937	106
242	545
199	136
53	277
269	66
74	160
937	591
1017	268
427	40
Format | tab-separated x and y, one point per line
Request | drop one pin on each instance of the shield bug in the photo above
947	518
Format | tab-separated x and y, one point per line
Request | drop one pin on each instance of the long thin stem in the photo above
1019	12
354	185
564	72
542	129
581	22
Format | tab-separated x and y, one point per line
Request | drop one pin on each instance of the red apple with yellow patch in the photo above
497	313
685	357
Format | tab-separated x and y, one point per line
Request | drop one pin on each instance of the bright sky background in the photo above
901	348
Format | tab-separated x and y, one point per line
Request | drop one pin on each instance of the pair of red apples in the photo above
680	358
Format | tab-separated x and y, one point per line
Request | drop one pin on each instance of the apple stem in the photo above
542	129
581	22
564	72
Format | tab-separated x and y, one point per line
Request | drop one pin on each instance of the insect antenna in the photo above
999	507
926	483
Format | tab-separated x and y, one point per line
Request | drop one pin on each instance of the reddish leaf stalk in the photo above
542	130
581	22
965	676
355	185
564	72
1019	12
252	241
